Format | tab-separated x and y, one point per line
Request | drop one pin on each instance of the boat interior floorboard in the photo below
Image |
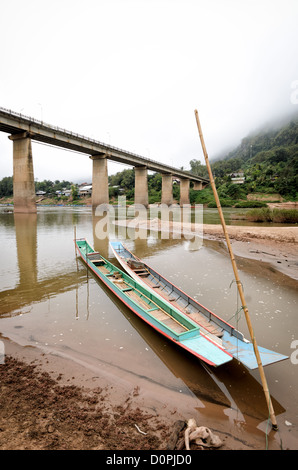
196	316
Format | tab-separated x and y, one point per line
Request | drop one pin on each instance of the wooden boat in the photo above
159	314
211	326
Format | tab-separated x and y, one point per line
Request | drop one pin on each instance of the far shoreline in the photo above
276	246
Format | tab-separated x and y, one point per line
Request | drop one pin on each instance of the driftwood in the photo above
177	428
200	435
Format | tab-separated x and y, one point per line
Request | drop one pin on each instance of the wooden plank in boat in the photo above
132	294
206	324
159	315
174	325
103	269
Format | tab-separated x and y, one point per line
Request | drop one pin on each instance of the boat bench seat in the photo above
94	254
95	258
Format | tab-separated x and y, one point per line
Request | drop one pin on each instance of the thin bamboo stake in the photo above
238	282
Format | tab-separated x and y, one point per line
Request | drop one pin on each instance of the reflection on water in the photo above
49	299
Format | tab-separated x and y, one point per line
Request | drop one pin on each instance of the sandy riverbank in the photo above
276	246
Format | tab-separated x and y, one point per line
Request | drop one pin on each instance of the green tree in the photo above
155	182
196	168
74	192
6	186
235	191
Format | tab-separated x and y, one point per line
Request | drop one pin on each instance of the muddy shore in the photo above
48	402
276	246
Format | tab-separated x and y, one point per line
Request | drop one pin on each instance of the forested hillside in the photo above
268	159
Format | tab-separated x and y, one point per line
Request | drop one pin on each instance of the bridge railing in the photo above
88	139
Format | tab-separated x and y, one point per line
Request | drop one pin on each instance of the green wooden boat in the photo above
156	312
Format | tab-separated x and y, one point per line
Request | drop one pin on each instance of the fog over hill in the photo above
267	127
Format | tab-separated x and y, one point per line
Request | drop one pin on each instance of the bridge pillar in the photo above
198	185
184	191
100	185
141	186
167	189
23	175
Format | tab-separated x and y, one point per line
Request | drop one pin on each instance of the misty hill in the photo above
267	138
268	158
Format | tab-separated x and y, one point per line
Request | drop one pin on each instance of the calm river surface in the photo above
49	300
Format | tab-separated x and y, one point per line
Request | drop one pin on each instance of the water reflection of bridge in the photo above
29	288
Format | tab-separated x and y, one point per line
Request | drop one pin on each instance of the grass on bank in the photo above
282	216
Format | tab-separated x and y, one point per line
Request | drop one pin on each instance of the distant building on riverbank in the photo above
85	190
237	178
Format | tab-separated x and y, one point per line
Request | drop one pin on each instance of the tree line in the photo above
50	187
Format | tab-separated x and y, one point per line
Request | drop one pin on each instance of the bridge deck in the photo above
14	123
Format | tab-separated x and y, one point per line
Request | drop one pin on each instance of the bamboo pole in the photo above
238	282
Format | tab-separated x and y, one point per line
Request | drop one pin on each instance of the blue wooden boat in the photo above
211	326
161	315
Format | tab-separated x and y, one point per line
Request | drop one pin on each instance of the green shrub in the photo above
223	203
250	204
285	216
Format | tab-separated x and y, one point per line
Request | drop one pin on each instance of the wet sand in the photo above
276	246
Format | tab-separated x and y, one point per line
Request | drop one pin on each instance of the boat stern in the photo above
243	351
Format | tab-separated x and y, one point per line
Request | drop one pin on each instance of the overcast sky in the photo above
132	72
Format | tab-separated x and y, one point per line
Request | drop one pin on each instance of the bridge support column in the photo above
184	191
167	189
23	175
141	186
198	186
100	185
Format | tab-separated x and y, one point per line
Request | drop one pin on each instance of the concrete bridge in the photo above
23	129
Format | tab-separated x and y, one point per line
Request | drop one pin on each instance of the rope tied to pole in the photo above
236	315
243	307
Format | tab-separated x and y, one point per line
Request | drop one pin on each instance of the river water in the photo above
49	300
